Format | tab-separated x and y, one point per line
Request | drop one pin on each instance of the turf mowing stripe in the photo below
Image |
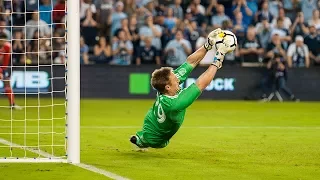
186	127
81	165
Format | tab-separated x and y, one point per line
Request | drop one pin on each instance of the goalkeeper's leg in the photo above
141	142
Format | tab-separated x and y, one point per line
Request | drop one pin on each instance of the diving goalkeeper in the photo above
166	115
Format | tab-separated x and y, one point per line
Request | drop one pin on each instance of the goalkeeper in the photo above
166	115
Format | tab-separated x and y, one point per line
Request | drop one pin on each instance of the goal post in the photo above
73	81
47	129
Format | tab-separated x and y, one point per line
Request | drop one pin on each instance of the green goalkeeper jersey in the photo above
166	115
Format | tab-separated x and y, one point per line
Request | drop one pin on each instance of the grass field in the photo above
218	140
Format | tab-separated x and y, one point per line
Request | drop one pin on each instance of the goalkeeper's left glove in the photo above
218	59
211	39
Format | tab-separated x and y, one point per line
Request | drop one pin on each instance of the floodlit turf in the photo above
218	140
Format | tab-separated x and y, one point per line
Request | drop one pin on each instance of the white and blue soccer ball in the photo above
228	39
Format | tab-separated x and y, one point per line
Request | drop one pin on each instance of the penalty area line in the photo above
80	165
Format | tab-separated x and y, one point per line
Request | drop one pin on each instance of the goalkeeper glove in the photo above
212	38
218	59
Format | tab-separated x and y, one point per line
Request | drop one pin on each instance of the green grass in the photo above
218	140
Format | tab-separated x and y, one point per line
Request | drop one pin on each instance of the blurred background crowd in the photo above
138	32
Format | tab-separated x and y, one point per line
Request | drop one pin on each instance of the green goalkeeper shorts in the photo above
144	142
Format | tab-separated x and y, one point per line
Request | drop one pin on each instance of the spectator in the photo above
3	28
104	13
151	30
201	40
193	33
307	7
129	7
275	47
227	25
243	7
17	8
251	49
170	21
313	43
84	50
134	32
44	51
60	59
163	4
148	54
141	14
291	8
177	50
282	32
59	13
299	27
122	50
239	27
124	27
263	30
217	19
274	6
88	20
58	43
167	34
196	15
18	47
212	8
286	21
84	6
102	51
177	9
150	7
199	8
117	16
315	18
38	50
31	6
36	24
264	13
45	11
298	53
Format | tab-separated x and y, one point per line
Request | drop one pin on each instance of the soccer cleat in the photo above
134	140
16	107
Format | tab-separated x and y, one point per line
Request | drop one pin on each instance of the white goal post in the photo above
21	134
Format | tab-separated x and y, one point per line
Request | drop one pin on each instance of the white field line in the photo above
183	127
81	165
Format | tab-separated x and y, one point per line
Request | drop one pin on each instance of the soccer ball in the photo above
227	38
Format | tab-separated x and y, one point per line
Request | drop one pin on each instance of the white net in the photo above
36	32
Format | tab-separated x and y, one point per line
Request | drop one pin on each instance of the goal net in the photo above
34	100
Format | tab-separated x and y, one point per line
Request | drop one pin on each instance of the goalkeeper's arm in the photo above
190	94
205	78
195	58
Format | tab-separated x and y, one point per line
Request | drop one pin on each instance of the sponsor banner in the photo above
103	81
230	83
29	81
33	80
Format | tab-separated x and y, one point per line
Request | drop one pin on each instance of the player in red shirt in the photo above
5	69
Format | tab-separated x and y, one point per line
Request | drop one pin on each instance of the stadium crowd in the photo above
125	32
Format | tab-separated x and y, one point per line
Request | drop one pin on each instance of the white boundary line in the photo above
183	127
81	165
